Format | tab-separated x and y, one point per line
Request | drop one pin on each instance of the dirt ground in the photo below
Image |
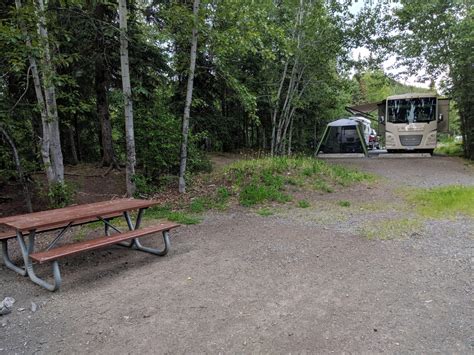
297	281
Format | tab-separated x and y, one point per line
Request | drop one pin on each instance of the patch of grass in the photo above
344	203
447	201
303	204
198	205
345	177
183	218
265	212
266	179
392	229
165	212
323	186
253	194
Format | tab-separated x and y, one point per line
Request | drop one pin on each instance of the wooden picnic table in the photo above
62	219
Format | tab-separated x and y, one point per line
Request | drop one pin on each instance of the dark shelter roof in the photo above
342	136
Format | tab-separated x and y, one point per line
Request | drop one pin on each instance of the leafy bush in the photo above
60	195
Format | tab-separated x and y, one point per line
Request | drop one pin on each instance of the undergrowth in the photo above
450	147
265	179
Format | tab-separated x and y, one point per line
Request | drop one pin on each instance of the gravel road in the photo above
301	280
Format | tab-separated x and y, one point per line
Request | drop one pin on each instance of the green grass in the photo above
323	186
303	204
447	201
266	179
165	212
392	229
265	212
344	203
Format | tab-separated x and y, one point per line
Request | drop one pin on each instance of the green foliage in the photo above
450	148
447	201
303	204
165	212
60	195
253	194
144	185
265	212
442	45
265	179
374	86
344	203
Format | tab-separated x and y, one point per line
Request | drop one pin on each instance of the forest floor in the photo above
357	271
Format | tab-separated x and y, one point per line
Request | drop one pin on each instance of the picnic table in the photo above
34	225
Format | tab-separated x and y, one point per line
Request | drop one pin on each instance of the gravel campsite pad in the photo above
331	277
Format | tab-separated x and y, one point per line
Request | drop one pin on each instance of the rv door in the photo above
443	115
381	120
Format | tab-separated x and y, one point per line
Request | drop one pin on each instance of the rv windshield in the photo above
412	110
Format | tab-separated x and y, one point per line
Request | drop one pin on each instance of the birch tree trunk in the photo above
56	154
189	97
19	168
45	141
127	97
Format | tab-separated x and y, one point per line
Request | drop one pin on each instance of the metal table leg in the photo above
25	251
8	262
136	242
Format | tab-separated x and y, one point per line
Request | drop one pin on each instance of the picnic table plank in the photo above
75	248
57	217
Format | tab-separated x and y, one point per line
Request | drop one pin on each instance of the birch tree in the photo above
127	97
51	153
189	97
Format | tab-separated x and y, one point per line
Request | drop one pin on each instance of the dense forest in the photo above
150	86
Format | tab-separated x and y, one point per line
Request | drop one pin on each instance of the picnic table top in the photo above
50	218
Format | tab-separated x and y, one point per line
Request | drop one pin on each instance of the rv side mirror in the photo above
440	117
381	119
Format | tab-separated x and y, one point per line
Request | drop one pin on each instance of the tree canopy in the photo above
268	75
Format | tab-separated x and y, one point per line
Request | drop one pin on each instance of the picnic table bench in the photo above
62	219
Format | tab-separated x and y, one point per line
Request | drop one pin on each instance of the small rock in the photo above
20	309
34	307
6	305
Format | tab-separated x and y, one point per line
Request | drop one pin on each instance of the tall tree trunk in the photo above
102	101
45	140
189	97
277	106
290	137
50	96
19	168
102	105
127	97
72	142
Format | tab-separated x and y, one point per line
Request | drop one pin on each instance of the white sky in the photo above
388	65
